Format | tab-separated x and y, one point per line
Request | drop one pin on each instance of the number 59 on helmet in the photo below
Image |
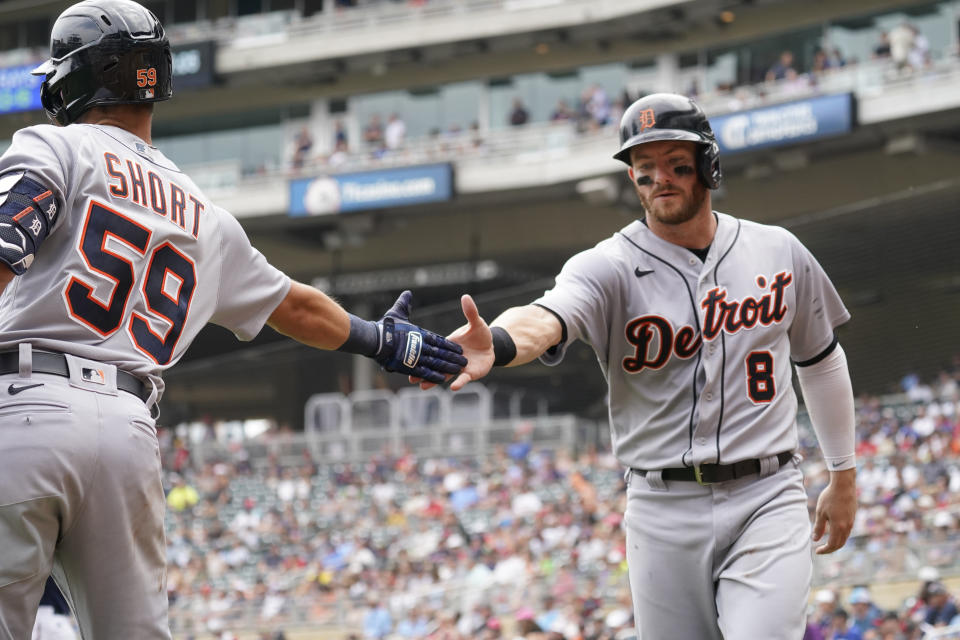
104	52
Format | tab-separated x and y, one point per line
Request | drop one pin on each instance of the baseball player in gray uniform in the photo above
697	319
111	262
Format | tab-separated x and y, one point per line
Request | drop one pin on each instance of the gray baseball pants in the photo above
729	561
81	497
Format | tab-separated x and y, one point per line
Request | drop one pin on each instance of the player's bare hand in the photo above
477	343
836	508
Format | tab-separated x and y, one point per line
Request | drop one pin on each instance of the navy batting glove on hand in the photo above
407	348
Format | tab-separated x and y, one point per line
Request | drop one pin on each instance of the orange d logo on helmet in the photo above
646	119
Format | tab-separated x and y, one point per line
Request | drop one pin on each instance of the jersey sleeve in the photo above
819	307
250	287
44	153
581	298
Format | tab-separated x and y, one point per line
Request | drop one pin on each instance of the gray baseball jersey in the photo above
697	353
138	259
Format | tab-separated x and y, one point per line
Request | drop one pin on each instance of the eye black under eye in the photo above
683	170
643	181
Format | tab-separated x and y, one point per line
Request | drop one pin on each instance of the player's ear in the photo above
630	173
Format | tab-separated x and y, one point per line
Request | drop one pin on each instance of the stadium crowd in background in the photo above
904	50
528	543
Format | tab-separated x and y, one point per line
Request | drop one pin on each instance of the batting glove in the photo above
412	350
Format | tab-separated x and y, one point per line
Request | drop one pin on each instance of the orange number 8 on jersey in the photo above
146	77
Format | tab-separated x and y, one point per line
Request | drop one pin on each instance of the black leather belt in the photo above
56	364
711	473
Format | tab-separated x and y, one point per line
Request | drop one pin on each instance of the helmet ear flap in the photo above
708	164
52	103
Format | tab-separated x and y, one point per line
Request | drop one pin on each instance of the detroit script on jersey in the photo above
697	354
138	260
655	335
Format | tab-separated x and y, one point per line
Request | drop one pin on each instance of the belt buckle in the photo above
698	474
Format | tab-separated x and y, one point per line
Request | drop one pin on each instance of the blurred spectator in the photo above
302	145
519	115
841	629
377	622
562	111
890	627
941	607
812	632
901	44
339	135
780	68
395	132
881	50
825	602
821	62
598	105
373	133
414	624
182	496
339	155
919	55
837	59
864	612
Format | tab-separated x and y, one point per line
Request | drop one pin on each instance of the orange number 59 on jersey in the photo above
147	77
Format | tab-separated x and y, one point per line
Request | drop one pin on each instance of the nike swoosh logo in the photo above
14	390
637	272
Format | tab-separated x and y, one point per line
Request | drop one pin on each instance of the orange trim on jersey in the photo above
178	204
145	320
160	208
639	361
45	194
122	191
103	247
167	271
197	208
769	375
137	185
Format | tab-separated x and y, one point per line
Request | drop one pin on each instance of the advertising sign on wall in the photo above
371	190
783	124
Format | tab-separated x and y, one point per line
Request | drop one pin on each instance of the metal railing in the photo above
465	439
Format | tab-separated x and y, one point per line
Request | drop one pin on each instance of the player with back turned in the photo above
697	319
111	262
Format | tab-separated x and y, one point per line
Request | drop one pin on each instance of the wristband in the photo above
504	350
364	337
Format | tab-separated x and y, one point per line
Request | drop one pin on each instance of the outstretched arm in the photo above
828	395
311	317
517	336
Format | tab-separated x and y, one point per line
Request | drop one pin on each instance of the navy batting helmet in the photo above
667	116
104	52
